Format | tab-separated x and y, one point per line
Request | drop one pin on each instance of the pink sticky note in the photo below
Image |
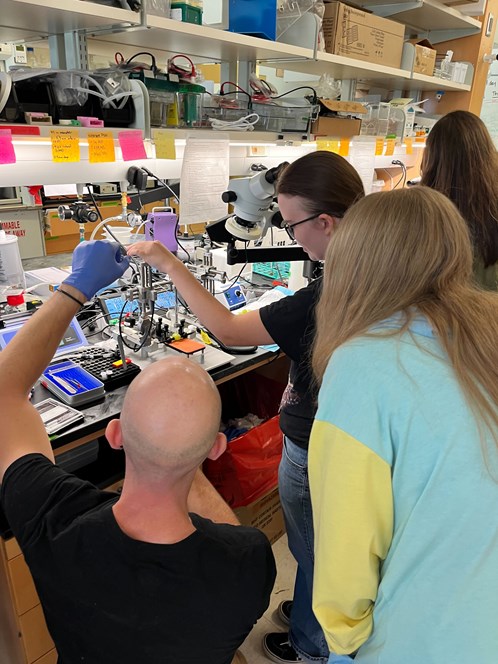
7	153
132	145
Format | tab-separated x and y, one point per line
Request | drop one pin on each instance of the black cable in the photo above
234	279
145	336
161	182
179	243
93	334
97	209
90	321
397	162
301	87
151	55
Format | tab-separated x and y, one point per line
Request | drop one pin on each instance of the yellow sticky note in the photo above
329	145
390	143
409	145
379	146
164	140
344	148
100	147
65	145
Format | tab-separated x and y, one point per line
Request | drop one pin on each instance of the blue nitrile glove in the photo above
96	264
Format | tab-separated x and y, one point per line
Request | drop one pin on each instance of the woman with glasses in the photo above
314	193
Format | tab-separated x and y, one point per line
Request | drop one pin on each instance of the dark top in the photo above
110	599
291	324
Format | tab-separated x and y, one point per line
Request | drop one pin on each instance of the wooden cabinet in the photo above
24	637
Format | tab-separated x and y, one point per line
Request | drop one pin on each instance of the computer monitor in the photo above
112	304
73	339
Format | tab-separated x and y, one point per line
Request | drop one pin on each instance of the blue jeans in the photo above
305	634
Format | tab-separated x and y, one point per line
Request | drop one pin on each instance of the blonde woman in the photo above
403	453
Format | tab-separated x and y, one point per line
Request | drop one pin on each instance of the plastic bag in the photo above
249	467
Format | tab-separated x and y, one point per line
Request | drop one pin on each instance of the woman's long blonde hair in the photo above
409	251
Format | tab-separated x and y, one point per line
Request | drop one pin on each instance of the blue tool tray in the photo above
71	383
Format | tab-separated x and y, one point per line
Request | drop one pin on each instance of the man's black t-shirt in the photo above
110	599
291	324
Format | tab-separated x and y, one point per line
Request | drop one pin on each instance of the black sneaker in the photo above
277	648
284	611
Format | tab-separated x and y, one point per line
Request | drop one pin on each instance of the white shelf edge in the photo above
441	83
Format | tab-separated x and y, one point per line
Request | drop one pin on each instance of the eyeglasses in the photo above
290	227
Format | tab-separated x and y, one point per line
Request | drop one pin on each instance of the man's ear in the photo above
219	446
114	435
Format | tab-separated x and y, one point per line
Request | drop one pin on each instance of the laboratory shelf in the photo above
429	18
30	20
118	27
423	82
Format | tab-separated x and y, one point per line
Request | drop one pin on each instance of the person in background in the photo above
314	193
144	576
460	160
403	452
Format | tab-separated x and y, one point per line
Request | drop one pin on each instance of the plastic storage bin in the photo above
158	7
253	17
294	115
273	270
187	12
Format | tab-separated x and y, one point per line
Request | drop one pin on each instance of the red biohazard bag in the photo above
249	467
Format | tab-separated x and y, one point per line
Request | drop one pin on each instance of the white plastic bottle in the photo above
11	271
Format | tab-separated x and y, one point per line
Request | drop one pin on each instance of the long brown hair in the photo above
461	161
327	183
409	251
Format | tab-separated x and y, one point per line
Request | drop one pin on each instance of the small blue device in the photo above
232	297
73	338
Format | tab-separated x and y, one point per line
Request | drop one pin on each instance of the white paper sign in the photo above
204	178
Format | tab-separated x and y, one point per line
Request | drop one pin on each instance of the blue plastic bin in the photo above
257	18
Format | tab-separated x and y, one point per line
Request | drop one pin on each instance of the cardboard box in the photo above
357	34
424	61
354	107
264	513
337	127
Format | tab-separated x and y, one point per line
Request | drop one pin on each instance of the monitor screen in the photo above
73	338
112	305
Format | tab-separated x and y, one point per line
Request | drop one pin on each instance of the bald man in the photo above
162	573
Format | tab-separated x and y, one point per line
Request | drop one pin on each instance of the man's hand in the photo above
96	264
155	254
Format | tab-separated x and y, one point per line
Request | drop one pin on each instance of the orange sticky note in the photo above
344	148
390	143
326	144
379	146
164	140
132	145
7	152
65	145
409	144
100	147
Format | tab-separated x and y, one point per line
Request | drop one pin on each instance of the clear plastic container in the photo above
11	271
293	115
159	7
